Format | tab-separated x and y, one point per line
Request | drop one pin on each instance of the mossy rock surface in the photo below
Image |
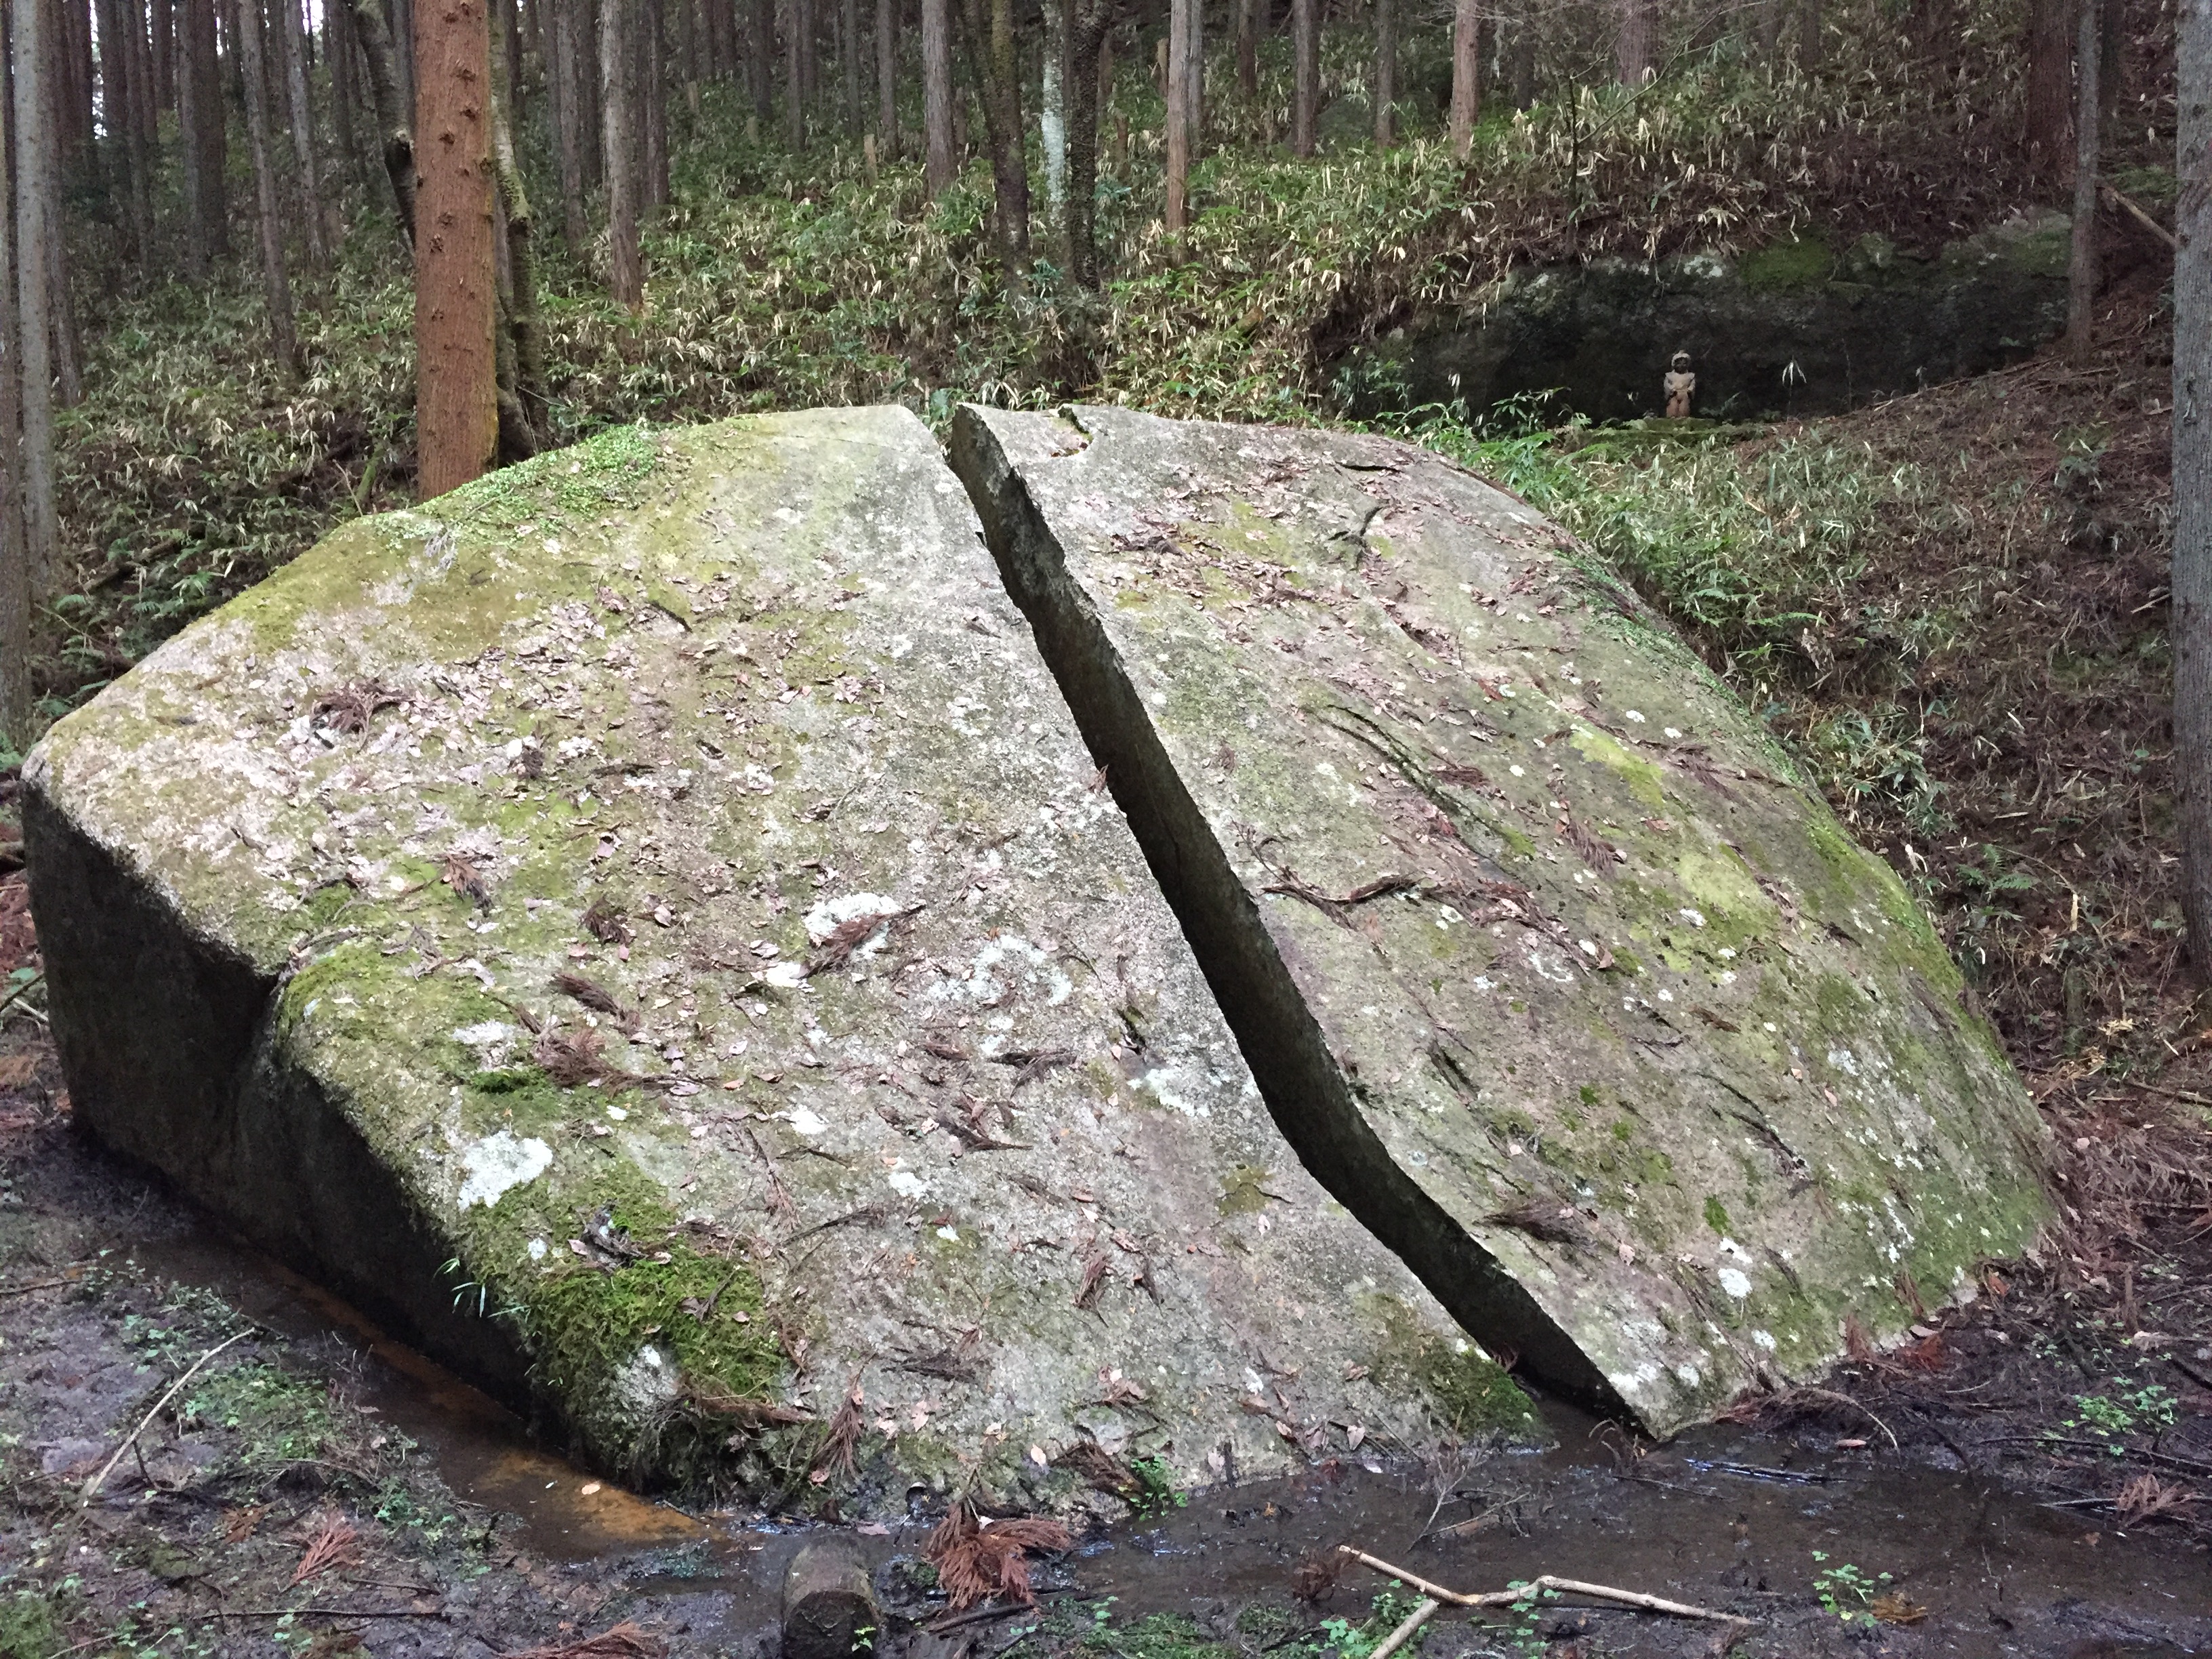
1552	965
912	1145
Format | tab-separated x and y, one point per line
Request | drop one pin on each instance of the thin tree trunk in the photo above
36	192
1052	105
794	53
938	165
856	66
117	115
993	50
286	14
1178	217
2112	60
210	206
345	91
2082	263
402	47
2192	580
649	64
1467	76
73	20
618	139
1386	73
19	593
191	112
1088	22
68	375
524	426
1633	43
1522	59
391	112
760	60
1811	35
2050	82
1194	69
887	24
1305	89
160	19
456	291
565	81
1248	47
510	42
276	288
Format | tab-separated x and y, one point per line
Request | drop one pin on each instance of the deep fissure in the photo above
1306	1093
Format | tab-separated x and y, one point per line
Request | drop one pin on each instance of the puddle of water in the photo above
1718	1514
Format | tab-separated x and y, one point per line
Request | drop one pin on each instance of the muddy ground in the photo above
2034	1476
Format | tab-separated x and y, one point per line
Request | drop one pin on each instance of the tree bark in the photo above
1467	76
286	15
73	20
1195	71
2191	582
2112	60
2081	262
275	287
2050	82
1386	73
938	165
118	116
338	51
760	60
392	115
887	133
36	195
1521	60
1088	22
649	64
853	78
524	426
18	592
571	105
992	53
1632	43
794	74
1177	218
456	290
1052	105
618	140
161	18
1811	35
1248	47
193	114
1305	89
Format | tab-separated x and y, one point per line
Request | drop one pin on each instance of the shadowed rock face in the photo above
1549	963
645	927
1794	328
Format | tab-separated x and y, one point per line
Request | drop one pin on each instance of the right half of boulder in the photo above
1548	962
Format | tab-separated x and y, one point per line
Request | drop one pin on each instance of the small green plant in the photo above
1156	1492
1844	1590
2113	1416
1527	1609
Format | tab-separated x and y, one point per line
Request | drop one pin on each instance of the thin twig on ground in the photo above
93	1486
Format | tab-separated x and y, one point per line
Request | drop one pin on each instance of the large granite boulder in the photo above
1552	966
645	927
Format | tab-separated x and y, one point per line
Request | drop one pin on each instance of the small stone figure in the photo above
1678	384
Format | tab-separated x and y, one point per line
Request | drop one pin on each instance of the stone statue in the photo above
1678	384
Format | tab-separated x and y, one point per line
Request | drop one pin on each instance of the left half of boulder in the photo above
645	927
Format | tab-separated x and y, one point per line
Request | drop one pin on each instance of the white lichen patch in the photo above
498	1163
492	1041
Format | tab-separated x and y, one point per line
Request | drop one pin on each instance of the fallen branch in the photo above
1519	1593
93	1486
2141	218
1398	1637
